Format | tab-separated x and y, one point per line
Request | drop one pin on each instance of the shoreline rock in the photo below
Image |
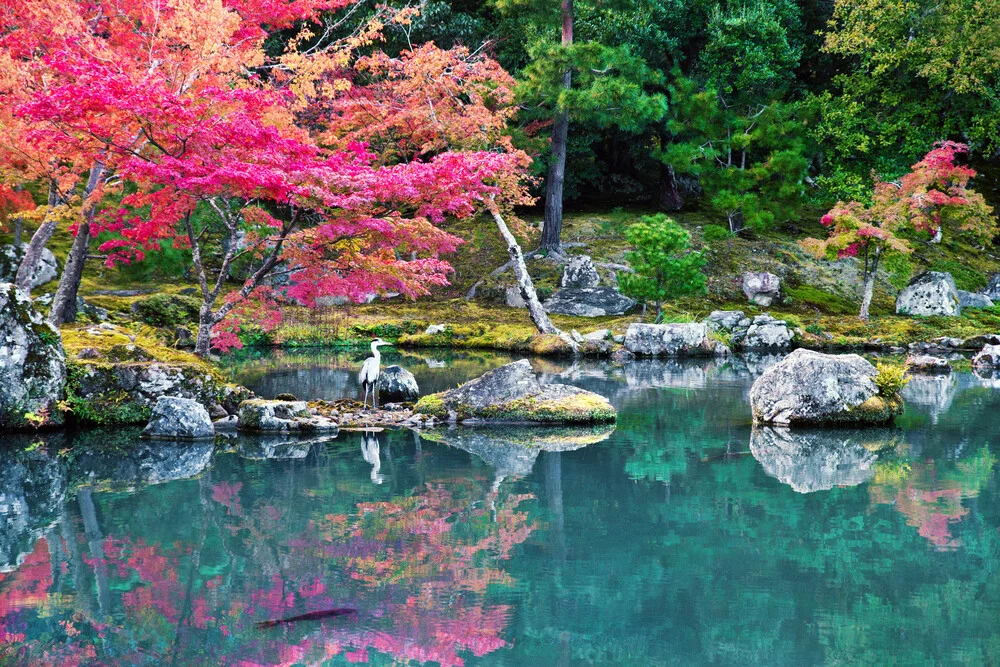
672	340
176	418
816	389
259	415
512	393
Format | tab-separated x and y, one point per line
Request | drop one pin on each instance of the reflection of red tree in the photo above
27	586
932	503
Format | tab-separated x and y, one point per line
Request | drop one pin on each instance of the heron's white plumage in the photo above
368	377
369	371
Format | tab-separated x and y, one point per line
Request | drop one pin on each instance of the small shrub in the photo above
664	265
815	329
713	233
167	310
891	379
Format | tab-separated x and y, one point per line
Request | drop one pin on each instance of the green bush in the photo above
664	265
891	379
714	233
167	310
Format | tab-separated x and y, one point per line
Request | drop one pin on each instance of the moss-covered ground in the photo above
821	297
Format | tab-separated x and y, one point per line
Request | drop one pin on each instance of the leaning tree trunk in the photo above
552	229
527	289
64	302
26	271
206	320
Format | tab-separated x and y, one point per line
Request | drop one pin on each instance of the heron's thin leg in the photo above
364	403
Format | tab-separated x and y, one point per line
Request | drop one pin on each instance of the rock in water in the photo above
176	418
974	300
262	416
761	288
10	260
930	293
811	461
811	388
580	272
512	393
929	364
396	384
670	340
988	357
32	362
588	302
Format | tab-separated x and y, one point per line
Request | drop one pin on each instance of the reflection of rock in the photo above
818	460
810	387
512	450
689	374
397	384
32	488
143	463
935	392
261	447
512	393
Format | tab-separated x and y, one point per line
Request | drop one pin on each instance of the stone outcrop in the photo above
588	302
10	260
992	289
32	363
125	392
811	388
580	272
761	288
176	418
928	364
987	358
671	340
396	384
818	460
512	393
263	416
764	333
930	293
974	299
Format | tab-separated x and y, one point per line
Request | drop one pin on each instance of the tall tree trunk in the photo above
552	229
203	343
670	196
527	289
26	271
64	302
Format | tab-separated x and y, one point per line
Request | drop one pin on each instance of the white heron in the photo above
370	371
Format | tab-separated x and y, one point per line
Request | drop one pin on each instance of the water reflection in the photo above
818	460
665	541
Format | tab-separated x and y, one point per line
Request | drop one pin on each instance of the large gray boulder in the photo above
10	260
726	320
765	333
588	302
32	363
671	340
761	288
176	418
812	388
263	416
397	384
819	460
512	393
930	293
580	272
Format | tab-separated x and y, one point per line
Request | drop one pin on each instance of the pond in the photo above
681	537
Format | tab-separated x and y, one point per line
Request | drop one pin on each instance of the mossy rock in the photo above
166	310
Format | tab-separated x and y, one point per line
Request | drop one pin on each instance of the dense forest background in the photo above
756	107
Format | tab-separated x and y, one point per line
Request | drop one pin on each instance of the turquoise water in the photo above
681	537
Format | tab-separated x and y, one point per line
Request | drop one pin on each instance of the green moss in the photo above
826	301
432	404
966	277
111	408
167	310
876	410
